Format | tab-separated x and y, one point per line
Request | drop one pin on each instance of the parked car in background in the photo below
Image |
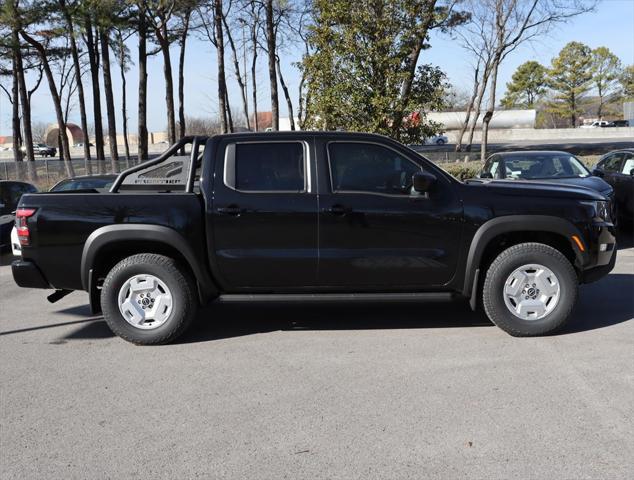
41	149
549	166
437	140
598	124
87	182
10	194
621	123
81	144
617	169
84	183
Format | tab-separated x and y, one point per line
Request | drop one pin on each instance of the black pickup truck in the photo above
311	216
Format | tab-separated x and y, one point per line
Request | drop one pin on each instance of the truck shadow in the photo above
600	305
225	321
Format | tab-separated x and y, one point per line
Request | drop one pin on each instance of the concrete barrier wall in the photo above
504	135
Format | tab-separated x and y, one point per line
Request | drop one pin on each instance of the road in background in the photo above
313	391
576	147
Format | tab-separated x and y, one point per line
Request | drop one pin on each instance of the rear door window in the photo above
266	167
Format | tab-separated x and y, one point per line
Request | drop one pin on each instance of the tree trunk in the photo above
64	146
573	112
164	42
124	107
229	114
182	127
477	111
26	110
91	48
142	133
15	118
220	51
489	113
80	86
289	103
107	85
236	68
465	124
270	46
254	94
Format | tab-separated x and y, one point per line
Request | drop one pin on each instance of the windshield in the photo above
532	167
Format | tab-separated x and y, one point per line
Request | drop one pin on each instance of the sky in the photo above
611	25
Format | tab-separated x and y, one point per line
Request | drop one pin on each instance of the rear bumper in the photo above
27	275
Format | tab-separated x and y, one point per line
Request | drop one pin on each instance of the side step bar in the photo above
335	297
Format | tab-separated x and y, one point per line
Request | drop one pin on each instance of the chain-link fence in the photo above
45	173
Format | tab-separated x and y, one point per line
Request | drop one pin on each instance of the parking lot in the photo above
315	391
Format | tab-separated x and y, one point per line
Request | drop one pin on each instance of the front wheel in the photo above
148	299
530	289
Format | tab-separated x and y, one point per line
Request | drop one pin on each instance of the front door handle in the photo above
339	210
231	210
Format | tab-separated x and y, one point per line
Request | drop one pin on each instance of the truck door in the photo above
375	232
264	214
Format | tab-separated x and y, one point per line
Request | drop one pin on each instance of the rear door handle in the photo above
339	210
231	210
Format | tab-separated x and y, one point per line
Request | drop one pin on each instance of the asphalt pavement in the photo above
313	391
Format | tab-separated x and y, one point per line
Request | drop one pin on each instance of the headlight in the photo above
600	210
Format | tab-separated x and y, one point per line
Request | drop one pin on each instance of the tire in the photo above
508	268
440	141
175	297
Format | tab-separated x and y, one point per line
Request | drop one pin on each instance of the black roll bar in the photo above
194	140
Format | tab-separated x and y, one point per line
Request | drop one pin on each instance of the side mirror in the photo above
423	181
486	175
632	172
597	173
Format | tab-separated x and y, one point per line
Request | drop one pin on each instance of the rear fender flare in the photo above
139	232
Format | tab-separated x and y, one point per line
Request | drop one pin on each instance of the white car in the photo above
15	243
437	140
598	124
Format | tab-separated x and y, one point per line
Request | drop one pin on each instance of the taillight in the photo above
21	216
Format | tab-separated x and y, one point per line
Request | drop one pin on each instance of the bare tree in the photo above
270	36
104	36
500	26
64	145
68	14
185	17
159	14
93	59
122	55
214	33
236	64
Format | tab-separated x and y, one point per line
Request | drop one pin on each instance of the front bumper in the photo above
593	274
27	275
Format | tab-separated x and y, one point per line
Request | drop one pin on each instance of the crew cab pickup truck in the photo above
311	216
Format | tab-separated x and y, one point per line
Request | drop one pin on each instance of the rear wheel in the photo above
530	289
148	299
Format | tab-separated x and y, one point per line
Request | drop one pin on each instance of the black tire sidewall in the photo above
494	288
176	282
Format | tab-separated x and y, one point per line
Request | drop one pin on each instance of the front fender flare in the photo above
513	223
